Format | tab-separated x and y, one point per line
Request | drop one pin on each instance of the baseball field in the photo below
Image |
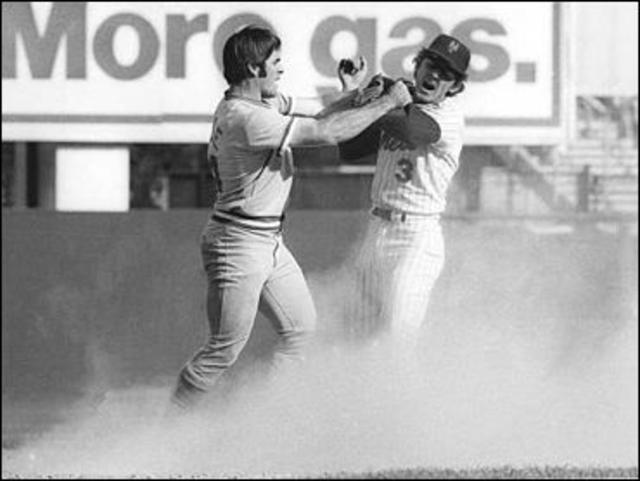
529	361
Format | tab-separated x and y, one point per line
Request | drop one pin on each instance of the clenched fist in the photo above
399	93
351	75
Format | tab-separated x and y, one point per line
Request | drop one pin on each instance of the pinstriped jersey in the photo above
416	180
250	159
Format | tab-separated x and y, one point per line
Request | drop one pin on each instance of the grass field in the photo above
501	472
498	472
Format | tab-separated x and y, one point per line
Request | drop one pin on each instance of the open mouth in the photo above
428	86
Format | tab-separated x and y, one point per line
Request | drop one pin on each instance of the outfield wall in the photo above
114	299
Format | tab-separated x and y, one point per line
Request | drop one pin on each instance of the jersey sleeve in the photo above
449	119
266	128
362	145
411	125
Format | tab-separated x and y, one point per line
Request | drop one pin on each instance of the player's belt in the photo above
389	214
245	220
398	215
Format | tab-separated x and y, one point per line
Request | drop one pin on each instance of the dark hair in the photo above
443	66
251	45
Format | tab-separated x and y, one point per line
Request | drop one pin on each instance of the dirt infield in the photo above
529	367
349	414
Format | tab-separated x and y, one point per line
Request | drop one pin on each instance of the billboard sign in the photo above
152	72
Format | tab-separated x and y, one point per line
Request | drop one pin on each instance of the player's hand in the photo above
351	75
399	94
380	82
377	86
417	99
374	89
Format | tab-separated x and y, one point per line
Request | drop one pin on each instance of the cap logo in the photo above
453	46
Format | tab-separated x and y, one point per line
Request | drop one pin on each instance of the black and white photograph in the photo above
320	240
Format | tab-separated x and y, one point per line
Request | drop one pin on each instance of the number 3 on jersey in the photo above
404	170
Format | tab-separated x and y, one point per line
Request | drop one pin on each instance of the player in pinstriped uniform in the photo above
247	263
403	250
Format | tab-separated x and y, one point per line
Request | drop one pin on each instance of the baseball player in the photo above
248	265
418	151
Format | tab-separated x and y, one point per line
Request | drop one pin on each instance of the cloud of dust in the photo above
476	396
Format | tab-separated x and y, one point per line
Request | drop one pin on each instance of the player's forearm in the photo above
346	124
319	107
341	125
343	102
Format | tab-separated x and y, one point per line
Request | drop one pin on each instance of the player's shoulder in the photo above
282	102
450	105
448	111
238	111
454	105
279	104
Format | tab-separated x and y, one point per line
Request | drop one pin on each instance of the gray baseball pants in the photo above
247	270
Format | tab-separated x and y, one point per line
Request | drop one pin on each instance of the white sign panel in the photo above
92	179
151	72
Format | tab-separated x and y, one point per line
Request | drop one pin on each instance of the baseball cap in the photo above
452	51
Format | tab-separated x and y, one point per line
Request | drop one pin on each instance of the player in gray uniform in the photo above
248	265
418	151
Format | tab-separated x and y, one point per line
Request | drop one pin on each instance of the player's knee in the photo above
215	356
306	322
302	330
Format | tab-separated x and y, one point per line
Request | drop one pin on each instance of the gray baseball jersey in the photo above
253	179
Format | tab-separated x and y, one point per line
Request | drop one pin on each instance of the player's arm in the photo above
269	128
411	125
342	125
364	144
322	106
351	78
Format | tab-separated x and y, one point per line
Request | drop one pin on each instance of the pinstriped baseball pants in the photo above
395	271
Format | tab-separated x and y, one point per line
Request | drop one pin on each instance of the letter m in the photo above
66	18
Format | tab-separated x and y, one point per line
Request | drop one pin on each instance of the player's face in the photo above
273	71
432	83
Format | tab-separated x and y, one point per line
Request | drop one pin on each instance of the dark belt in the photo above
245	220
398	215
389	214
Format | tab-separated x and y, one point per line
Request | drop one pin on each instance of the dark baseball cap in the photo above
452	51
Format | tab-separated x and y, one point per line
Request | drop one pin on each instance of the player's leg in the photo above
237	264
363	313
419	259
415	259
286	301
